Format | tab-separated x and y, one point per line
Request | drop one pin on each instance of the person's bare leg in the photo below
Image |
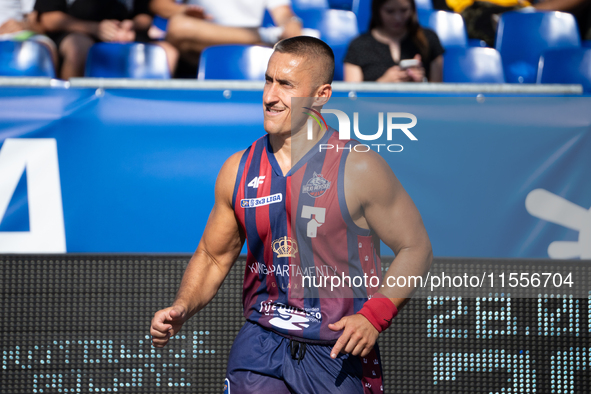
74	49
172	55
193	35
53	52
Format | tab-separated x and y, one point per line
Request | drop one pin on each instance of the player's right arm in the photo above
218	249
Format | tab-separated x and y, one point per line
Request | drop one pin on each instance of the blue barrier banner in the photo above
133	171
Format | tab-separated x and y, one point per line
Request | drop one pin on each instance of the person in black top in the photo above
394	35
76	25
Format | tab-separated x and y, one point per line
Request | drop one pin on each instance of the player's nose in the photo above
270	93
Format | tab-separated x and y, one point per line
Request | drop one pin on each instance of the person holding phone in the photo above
396	48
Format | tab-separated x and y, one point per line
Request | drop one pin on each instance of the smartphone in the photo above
407	63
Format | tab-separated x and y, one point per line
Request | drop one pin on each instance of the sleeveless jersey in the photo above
299	230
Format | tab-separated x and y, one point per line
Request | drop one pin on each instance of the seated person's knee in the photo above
75	47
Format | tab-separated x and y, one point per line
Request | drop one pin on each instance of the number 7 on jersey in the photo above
316	221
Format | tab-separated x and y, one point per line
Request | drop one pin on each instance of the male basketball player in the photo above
269	194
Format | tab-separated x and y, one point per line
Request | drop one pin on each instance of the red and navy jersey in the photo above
298	225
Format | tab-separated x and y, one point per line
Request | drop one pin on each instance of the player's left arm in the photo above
376	199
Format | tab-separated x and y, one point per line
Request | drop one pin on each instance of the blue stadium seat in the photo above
449	27
523	37
337	28
128	60
424	4
478	65
566	65
341	4
299	5
160	22
244	62
362	9
25	59
475	42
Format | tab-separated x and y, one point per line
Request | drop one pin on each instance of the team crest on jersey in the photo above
259	202
226	386
316	186
285	247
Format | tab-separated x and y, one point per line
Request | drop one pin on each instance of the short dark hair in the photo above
311	48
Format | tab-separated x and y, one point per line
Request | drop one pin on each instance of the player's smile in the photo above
274	111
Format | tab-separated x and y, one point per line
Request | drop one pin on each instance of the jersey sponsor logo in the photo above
256	181
289	319
316	186
285	247
259	202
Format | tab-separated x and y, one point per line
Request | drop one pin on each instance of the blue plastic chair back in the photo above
337	28
477	65
477	43
362	10
244	62
127	60
523	37
160	22
566	65
424	4
302	5
341	4
298	7
449	27
25	59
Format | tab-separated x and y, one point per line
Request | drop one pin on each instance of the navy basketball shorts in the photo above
262	361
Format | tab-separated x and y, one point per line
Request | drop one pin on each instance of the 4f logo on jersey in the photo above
256	181
316	186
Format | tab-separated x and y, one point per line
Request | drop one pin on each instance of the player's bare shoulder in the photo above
224	187
368	176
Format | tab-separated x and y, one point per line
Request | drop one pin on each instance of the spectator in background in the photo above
201	23
18	22
481	17
76	25
394	35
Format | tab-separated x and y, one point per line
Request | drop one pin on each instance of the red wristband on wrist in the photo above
380	311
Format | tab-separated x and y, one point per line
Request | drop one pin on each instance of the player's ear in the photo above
322	94
320	101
